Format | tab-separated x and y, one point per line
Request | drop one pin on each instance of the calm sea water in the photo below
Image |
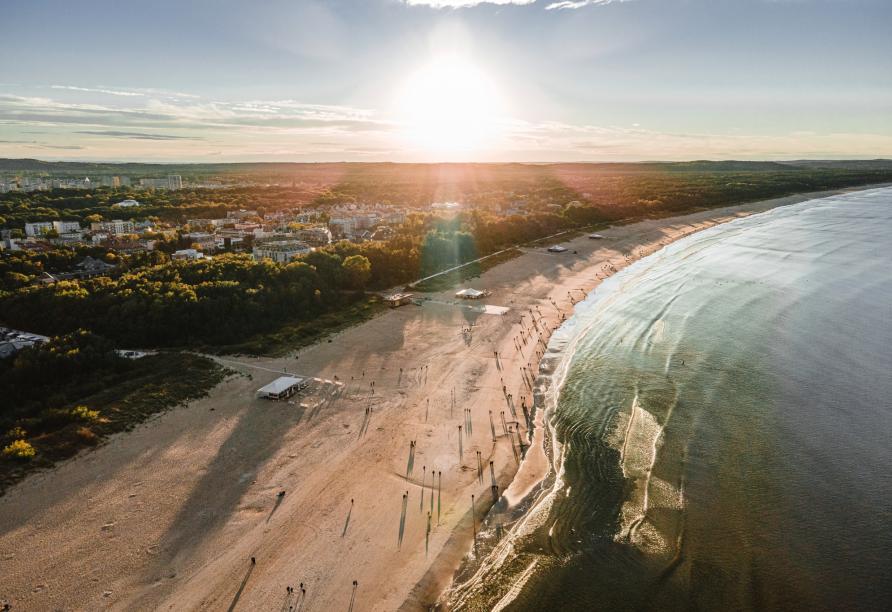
725	417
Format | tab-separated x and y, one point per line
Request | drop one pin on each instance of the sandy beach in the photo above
170	515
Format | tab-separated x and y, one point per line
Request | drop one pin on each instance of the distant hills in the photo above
36	166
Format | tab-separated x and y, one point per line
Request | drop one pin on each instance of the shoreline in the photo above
168	516
536	476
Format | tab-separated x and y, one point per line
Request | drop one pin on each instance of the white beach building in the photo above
282	388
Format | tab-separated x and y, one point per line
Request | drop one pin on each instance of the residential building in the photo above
38	228
90	266
154	183
280	251
342	227
314	236
204	240
187	254
241	214
67	227
115	227
13	340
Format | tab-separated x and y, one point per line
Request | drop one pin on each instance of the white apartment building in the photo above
187	254
38	228
115	227
280	251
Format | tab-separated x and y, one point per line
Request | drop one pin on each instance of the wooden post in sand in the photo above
492	426
353	596
459	444
474	521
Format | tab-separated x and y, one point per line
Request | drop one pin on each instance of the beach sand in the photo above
168	516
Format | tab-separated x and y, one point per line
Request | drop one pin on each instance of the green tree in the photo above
357	271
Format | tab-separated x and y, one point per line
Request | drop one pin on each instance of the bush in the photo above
85	414
19	449
16	432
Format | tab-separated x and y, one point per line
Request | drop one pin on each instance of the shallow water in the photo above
726	420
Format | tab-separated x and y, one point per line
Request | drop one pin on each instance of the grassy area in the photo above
293	336
465	273
117	402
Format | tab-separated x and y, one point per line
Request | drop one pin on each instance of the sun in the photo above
449	106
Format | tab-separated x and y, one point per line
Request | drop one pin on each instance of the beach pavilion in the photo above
282	388
471	294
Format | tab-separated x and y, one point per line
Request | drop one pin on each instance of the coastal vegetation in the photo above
75	390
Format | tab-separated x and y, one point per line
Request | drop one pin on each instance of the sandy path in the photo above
168	516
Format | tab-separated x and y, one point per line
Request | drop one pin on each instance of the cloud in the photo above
456	4
36	144
575	4
111	92
66	147
439	4
137	135
176	114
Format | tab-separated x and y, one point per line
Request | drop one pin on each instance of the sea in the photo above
720	428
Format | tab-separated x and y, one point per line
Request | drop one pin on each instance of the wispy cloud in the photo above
191	114
440	4
110	92
575	4
457	4
36	144
136	135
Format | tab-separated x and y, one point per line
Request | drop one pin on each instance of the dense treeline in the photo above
49	375
20	268
179	303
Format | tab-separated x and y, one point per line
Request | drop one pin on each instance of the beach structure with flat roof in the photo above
398	299
282	388
471	294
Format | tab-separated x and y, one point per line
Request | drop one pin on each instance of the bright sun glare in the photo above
449	106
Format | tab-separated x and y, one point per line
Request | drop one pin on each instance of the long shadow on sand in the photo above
253	441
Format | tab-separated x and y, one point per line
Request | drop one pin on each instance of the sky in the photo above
445	80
